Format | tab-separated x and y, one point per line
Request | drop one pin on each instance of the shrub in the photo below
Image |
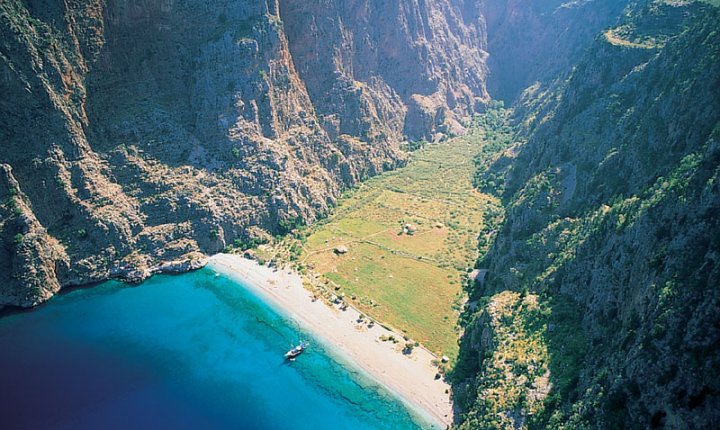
409	346
413	146
12	204
288	225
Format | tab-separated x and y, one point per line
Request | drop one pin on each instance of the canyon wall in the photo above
420	66
539	41
139	135
600	308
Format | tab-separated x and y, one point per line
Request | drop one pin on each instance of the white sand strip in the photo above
411	377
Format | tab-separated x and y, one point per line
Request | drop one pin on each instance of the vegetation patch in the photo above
411	237
515	378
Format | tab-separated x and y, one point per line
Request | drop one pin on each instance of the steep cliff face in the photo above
603	277
377	69
538	41
139	132
36	259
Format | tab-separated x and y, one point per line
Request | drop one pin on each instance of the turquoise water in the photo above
182	352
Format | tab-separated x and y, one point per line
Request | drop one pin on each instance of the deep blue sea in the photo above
193	351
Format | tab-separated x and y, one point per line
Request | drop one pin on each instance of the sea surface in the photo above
193	351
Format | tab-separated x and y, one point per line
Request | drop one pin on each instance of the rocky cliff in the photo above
137	132
536	42
601	308
419	66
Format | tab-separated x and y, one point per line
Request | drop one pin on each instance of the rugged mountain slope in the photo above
601	308
537	41
140	132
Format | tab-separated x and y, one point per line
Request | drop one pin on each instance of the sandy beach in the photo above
412	377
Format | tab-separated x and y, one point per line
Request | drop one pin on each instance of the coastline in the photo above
411	377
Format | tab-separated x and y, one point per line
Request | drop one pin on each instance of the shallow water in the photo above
182	352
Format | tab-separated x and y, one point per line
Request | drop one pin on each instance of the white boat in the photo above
290	355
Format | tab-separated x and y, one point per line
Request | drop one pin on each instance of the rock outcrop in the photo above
32	262
143	132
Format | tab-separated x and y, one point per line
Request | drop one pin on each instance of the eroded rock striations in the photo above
379	69
137	133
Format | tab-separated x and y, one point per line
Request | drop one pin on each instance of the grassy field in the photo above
411	282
